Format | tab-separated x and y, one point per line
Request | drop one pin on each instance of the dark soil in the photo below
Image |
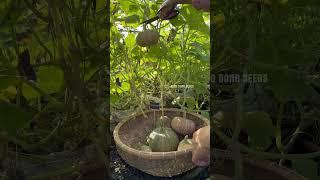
121	170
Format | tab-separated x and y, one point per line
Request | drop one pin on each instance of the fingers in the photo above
201	147
184	1
201	5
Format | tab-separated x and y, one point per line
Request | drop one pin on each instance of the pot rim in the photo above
151	155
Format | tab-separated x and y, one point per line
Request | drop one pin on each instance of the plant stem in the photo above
264	155
278	129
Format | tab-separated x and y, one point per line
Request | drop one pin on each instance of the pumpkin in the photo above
147	38
163	139
183	126
185	143
145	148
163	121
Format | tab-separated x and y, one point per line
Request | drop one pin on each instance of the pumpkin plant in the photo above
163	139
138	68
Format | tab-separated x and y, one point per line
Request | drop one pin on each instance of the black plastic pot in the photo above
253	169
79	165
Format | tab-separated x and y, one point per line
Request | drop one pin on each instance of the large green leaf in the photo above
287	84
7	78
178	21
50	80
195	19
29	92
307	168
12	118
130	40
259	128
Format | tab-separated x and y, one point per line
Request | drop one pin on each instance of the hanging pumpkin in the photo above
183	126
185	143
147	38
163	139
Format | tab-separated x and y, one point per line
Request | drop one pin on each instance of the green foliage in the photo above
13	118
180	57
307	168
67	42
260	129
277	38
50	81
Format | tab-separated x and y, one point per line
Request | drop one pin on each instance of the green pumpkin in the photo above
145	148
163	139
185	143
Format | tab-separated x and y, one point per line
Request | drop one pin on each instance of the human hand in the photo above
201	146
201	5
167	9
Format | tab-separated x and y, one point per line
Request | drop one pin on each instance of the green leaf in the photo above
288	85
191	102
195	19
155	51
224	119
5	82
219	20
7	78
301	3
205	114
133	7
307	168
28	92
50	80
130	40
285	83
9	93
132	19
12	118
178	21
259	128
114	99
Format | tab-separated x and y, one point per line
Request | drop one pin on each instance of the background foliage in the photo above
181	56
52	73
280	39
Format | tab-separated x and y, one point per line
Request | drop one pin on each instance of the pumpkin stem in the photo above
144	27
162	111
186	137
